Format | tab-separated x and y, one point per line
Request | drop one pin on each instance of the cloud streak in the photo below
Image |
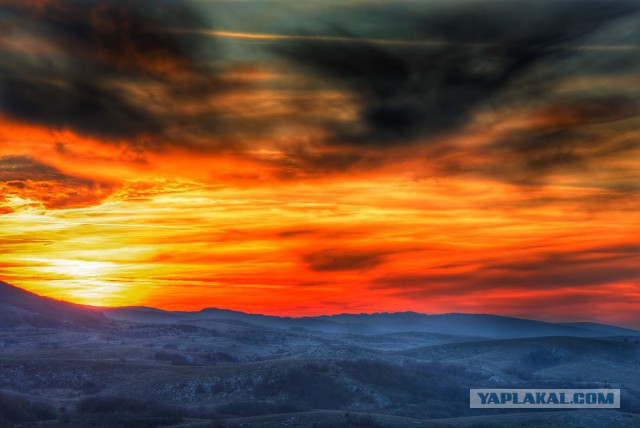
332	260
551	271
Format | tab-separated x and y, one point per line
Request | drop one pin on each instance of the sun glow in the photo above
78	269
81	281
301	249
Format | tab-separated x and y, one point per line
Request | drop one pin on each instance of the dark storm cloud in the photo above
496	57
584	268
332	260
112	69
407	92
139	71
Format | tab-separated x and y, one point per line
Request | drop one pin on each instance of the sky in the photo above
306	158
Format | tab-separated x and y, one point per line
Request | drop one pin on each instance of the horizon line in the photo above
519	317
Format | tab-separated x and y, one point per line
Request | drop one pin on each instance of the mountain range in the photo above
19	307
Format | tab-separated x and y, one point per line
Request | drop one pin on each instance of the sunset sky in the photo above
320	157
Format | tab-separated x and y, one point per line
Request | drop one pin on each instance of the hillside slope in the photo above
19	308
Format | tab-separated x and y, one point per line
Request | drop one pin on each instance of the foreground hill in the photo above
20	308
575	419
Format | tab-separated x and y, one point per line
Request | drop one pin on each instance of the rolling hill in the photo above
480	325
20	308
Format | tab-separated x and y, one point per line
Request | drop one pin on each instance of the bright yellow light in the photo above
84	282
77	269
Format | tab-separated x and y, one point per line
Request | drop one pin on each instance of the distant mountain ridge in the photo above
19	307
481	325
